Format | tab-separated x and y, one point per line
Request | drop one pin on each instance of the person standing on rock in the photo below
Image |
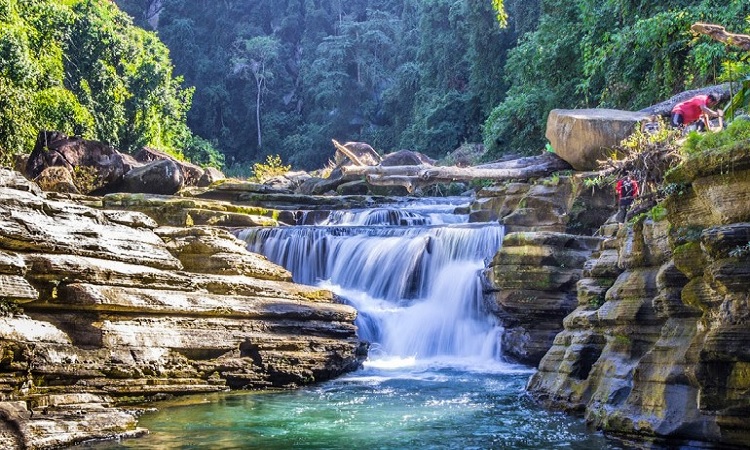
627	190
692	110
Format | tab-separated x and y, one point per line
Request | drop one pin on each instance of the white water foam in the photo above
417	288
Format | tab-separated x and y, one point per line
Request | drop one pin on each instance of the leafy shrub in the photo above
657	213
58	109
271	168
203	152
737	130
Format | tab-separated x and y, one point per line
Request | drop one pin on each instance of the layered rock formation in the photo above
102	308
666	353
531	282
560	204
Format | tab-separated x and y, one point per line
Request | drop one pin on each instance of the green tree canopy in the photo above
616	54
394	73
82	68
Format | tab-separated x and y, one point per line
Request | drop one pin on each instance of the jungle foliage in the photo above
284	77
615	54
81	67
428	75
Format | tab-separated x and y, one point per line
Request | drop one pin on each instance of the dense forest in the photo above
233	81
285	76
82	68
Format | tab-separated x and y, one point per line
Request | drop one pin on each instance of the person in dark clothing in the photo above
627	190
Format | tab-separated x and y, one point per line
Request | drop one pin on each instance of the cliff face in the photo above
531	281
658	346
116	309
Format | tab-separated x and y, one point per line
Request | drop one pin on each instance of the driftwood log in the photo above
720	34
421	175
353	157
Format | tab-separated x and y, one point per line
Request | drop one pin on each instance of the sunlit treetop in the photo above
502	16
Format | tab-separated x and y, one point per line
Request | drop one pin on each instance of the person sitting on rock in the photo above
698	107
627	191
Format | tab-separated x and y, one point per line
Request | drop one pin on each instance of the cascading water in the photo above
411	272
434	378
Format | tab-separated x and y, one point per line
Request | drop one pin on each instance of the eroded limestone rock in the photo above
560	203
532	280
116	308
173	211
666	354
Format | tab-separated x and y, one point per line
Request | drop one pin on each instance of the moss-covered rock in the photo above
532	282
674	361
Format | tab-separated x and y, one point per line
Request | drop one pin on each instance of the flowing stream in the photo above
434	378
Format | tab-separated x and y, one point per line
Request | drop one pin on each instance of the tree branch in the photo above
720	34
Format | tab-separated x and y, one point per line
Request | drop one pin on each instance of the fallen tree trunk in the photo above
395	180
412	176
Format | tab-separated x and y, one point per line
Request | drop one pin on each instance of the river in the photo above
435	377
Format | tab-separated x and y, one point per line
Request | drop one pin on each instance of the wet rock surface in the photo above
103	308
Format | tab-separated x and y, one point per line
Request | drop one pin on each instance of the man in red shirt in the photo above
691	110
627	190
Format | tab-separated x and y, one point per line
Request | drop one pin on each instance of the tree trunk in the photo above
412	176
448	174
259	83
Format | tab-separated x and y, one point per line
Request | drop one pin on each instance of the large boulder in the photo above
106	166
191	173
210	175
582	137
406	158
162	177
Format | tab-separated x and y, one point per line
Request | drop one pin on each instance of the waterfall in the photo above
411	271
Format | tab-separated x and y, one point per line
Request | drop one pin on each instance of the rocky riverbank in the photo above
118	299
104	308
653	314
